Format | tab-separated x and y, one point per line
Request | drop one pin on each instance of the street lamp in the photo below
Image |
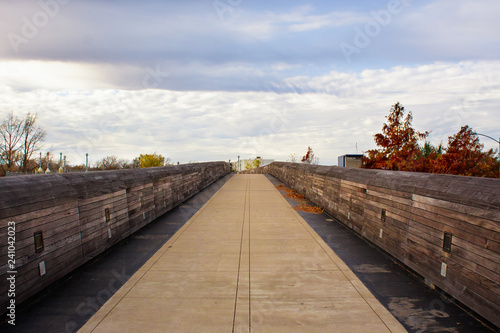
497	141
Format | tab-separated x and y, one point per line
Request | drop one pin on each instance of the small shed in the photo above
351	161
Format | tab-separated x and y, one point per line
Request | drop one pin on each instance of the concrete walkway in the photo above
244	262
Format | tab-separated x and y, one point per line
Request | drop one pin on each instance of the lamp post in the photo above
60	170
40	170
497	141
47	171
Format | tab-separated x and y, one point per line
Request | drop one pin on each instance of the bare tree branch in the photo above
32	135
11	133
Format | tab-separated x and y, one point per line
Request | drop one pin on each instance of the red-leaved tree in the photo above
398	142
464	156
309	157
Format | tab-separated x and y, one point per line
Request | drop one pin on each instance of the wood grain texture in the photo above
70	211
420	208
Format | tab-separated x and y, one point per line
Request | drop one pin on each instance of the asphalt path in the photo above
68	304
405	294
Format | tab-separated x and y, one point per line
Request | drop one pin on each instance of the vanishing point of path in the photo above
246	261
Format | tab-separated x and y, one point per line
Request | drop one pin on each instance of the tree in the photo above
398	143
32	136
136	163
248	164
20	138
429	150
464	156
111	163
151	160
11	132
428	159
293	158
309	157
76	168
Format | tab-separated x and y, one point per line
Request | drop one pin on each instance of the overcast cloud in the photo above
211	80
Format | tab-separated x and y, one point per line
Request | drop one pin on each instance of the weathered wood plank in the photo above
419	209
70	207
459	208
471	219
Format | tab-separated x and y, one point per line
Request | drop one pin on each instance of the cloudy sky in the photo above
202	80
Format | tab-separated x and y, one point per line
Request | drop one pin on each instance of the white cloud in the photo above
259	82
334	19
199	49
54	75
340	110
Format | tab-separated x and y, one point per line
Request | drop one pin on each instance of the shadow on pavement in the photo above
68	304
418	307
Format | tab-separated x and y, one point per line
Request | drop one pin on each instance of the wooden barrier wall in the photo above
82	214
408	214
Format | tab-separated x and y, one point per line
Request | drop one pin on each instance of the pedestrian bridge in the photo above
246	261
140	249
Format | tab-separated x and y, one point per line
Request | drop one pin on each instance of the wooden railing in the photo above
444	227
62	221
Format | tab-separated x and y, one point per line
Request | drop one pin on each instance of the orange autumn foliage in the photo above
464	156
398	143
399	150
